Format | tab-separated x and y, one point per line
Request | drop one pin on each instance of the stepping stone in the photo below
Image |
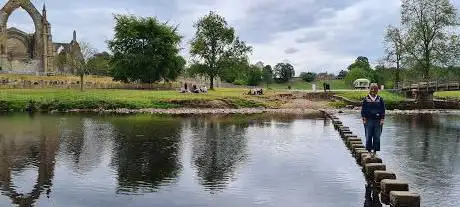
349	136
370	168
362	155
404	199
356	145
356	149
388	185
352	140
370	159
379	175
345	133
342	131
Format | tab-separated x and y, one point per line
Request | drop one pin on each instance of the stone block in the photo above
404	199
380	175
342	131
370	168
361	156
337	125
388	185
345	133
355	150
349	136
356	145
370	159
354	142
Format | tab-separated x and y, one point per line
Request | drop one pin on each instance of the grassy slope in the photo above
391	99
455	95
302	85
62	99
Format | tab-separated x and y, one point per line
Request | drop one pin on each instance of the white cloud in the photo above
329	35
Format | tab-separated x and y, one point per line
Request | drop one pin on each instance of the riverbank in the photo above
45	100
220	101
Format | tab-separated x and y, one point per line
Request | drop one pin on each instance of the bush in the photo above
239	82
308	77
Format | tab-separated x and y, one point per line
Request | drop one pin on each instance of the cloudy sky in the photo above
313	35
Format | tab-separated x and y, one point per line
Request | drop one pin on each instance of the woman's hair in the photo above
374	85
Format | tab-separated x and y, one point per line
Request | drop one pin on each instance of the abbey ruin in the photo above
29	53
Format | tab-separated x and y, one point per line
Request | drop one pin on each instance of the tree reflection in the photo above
431	144
145	153
84	140
37	151
219	147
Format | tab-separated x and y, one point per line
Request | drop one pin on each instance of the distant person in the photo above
373	115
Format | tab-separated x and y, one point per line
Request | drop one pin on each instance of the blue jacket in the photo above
373	109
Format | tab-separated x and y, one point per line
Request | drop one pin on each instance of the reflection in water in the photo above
145	154
218	149
88	160
27	146
423	150
371	199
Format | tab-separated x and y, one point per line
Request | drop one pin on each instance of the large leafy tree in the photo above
255	75
145	49
283	72
215	46
308	76
394	49
267	75
430	40
360	62
99	64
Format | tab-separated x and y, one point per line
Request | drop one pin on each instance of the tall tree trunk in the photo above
397	77
211	82
81	81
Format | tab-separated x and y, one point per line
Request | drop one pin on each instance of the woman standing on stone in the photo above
373	115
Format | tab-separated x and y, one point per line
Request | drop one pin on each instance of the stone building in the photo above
36	52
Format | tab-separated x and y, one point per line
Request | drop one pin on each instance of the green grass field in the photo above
391	99
64	99
453	95
302	85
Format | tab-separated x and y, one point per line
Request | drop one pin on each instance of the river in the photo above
251	160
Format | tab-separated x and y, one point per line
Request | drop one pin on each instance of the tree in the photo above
308	77
79	58
360	62
342	74
254	75
99	64
283	72
145	50
233	70
428	26
267	75
216	45
394	49
357	73
61	60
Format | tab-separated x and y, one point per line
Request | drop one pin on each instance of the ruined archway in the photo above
37	46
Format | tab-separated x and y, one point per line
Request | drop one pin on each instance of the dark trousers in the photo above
373	131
